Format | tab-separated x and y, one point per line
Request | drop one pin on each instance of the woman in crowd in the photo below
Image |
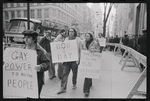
91	45
72	35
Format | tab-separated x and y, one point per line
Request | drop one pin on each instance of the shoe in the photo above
61	91
74	87
52	77
86	94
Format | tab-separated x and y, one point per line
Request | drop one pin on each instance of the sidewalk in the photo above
113	82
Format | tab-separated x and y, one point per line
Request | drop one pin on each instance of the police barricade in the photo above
143	60
117	46
132	56
125	54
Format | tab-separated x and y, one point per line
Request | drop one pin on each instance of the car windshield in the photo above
19	26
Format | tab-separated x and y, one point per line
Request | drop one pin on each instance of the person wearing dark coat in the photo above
45	43
42	60
142	44
116	40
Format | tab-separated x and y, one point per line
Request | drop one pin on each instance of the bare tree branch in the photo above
108	12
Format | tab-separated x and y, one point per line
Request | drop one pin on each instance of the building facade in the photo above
98	21
64	15
130	17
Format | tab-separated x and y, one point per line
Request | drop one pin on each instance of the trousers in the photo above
66	70
87	85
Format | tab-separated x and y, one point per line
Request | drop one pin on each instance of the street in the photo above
113	82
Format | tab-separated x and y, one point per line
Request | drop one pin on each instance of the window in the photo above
24	4
6	15
50	12
15	4
25	13
46	13
32	14
18	4
54	12
12	4
8	4
21	4
39	15
12	14
4	5
18	13
61	5
58	14
62	16
35	4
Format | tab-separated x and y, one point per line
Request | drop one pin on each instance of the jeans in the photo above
87	85
66	70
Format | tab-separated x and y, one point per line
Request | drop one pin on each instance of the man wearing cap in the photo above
42	60
45	43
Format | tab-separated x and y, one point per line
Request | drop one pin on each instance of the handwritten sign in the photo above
64	51
102	42
19	75
89	64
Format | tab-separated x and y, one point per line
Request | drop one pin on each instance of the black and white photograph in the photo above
74	50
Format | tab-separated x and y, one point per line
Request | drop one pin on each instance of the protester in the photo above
91	45
45	43
43	63
60	38
72	35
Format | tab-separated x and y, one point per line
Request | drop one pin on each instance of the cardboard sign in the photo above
102	42
19	74
89	64
64	51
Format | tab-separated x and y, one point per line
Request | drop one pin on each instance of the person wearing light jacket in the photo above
91	45
72	35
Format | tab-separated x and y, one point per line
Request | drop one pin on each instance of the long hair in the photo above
89	41
75	34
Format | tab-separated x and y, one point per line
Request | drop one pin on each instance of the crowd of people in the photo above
44	59
135	42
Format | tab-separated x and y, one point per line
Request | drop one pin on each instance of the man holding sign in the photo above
42	60
68	65
91	45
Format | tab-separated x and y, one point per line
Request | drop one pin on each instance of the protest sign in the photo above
102	42
90	63
19	74
64	51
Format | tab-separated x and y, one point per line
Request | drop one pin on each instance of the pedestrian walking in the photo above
72	35
43	63
60	38
45	43
100	37
91	45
